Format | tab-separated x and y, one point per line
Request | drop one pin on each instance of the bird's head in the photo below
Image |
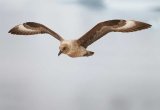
63	48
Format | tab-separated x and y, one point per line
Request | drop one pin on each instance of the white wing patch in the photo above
129	24
22	28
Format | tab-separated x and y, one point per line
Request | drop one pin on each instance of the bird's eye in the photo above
64	48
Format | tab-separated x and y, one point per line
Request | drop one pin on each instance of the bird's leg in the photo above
88	53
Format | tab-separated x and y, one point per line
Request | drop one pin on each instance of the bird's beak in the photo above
60	52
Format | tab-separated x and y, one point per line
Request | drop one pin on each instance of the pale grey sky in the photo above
123	74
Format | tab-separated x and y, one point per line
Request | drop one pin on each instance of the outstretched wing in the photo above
31	28
105	27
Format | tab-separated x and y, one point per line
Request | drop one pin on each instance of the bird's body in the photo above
78	47
75	50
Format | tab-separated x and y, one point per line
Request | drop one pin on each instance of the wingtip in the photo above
149	25
142	26
14	31
146	25
11	31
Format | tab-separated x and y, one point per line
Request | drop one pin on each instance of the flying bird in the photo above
78	47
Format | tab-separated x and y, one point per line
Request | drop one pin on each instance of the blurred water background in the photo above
124	73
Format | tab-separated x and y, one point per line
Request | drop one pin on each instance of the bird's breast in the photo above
77	51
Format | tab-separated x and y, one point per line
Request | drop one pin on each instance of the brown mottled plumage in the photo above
31	28
77	48
103	28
